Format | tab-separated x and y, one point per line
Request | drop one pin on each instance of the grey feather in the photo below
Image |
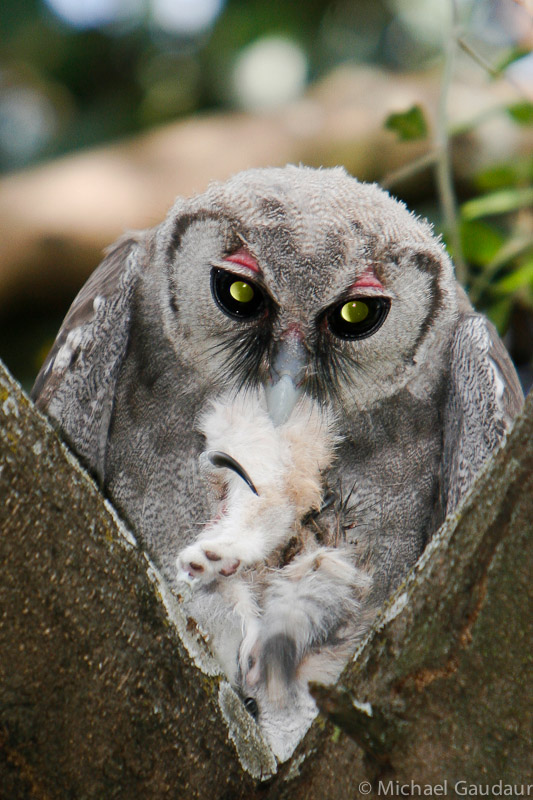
484	396
76	384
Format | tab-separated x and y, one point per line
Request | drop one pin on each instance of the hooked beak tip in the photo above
286	375
281	398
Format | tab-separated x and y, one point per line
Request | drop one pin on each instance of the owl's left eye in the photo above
358	318
238	298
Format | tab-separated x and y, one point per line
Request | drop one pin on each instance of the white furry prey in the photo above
285	464
299	621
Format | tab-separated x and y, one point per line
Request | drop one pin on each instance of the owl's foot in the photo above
204	562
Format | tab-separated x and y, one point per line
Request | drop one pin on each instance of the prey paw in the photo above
205	562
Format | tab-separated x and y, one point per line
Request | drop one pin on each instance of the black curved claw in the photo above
329	499
220	459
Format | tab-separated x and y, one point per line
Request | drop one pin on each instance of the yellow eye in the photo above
355	311
359	318
241	291
237	299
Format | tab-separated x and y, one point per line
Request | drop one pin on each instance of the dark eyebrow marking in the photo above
236	232
184	222
429	264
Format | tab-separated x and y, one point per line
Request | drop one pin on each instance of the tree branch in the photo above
106	690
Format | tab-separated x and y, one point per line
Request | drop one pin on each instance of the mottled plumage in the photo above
276	267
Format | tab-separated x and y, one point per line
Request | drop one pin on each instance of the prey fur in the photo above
295	597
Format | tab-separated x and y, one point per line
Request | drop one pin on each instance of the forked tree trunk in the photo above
107	691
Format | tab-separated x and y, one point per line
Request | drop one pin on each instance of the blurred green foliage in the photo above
110	81
64	87
92	84
495	230
497	239
408	125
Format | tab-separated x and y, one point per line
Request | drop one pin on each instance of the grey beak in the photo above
286	376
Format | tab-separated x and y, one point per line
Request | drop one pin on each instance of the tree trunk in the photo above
107	691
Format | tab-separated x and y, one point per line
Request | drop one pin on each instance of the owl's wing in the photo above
76	385
484	396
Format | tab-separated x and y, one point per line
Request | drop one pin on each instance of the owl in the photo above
284	391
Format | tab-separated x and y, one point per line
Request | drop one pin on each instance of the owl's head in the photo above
307	273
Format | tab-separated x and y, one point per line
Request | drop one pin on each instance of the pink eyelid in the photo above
244	259
367	281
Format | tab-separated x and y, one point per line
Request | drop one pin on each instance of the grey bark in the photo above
107	691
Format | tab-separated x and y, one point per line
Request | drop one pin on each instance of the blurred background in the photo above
110	108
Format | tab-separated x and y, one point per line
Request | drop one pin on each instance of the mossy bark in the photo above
106	690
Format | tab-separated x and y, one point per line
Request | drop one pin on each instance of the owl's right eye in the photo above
238	298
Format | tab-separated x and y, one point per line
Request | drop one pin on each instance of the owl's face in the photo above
308	262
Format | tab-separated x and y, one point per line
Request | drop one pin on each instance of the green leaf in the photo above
501	176
480	242
501	202
511	250
521	113
408	125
